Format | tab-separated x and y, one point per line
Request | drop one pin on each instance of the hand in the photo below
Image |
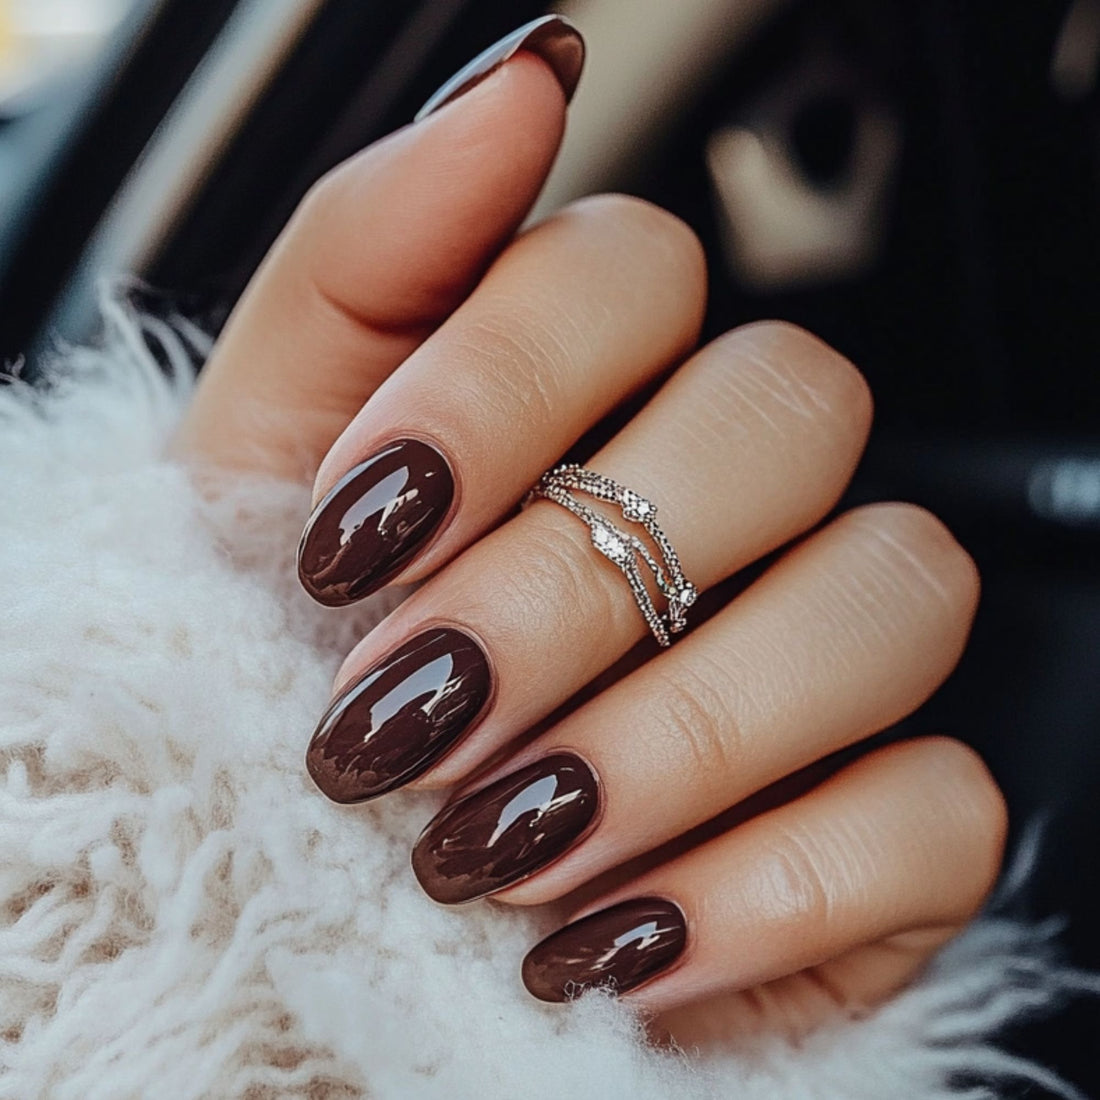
423	365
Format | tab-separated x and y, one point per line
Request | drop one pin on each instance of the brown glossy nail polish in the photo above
373	521
507	831
553	38
618	948
400	716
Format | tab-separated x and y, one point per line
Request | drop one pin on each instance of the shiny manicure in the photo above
507	831
373	522
618	948
553	38
400	716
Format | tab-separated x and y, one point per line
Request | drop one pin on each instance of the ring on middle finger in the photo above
623	549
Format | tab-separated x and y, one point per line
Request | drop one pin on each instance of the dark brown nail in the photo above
507	831
373	521
400	717
618	948
553	38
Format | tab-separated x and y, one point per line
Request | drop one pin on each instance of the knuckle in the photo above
965	819
790	389
914	542
322	198
559	581
798	362
972	796
514	365
693	707
797	879
656	227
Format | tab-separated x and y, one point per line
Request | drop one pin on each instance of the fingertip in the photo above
552	38
383	248
455	187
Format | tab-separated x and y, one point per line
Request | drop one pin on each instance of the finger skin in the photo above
846	635
572	318
901	847
379	253
748	444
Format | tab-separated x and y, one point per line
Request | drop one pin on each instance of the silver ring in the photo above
625	550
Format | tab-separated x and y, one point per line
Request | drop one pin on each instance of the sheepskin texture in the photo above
183	915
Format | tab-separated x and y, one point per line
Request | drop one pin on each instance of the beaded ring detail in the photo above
623	549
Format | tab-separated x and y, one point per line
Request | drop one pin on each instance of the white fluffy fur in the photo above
182	915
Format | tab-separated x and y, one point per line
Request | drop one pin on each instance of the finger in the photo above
846	635
377	255
573	317
748	444
851	887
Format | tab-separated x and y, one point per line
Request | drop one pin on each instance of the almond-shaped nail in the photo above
373	521
618	949
507	831
553	38
400	717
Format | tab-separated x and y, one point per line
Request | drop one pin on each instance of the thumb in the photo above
378	254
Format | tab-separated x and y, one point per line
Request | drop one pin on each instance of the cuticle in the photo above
456	495
479	642
598	816
589	829
486	707
579	842
440	530
369	453
434	624
686	954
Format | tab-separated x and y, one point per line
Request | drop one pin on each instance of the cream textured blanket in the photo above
183	915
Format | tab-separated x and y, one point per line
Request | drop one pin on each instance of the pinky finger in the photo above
853	885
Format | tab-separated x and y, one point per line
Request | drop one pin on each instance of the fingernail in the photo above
509	830
373	521
553	38
618	948
400	716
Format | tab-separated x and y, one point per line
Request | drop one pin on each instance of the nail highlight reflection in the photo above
618	948
509	830
400	716
373	521
553	38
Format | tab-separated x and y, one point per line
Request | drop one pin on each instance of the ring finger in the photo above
847	634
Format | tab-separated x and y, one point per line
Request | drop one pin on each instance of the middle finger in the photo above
749	444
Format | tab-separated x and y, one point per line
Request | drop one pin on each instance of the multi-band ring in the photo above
623	549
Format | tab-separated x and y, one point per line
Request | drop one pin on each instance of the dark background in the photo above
975	316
